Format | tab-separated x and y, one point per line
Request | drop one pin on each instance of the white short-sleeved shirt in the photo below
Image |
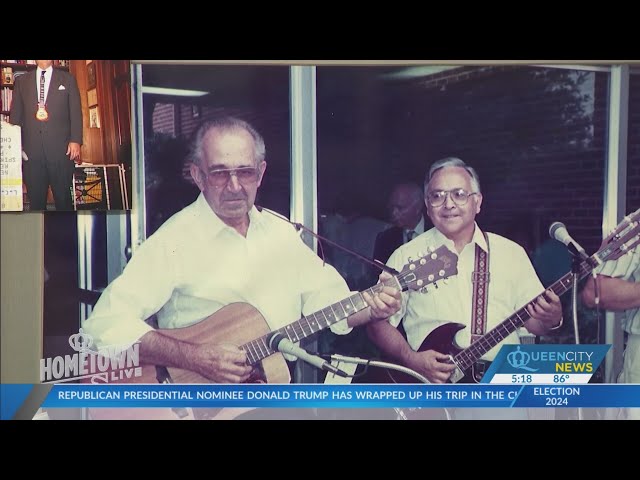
627	267
513	284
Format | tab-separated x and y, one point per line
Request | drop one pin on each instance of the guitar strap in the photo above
480	279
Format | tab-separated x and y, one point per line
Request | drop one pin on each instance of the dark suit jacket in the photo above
65	114
387	242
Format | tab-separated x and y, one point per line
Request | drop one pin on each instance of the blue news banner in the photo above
341	396
520	376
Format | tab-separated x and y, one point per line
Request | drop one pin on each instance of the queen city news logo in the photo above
112	363
545	363
560	361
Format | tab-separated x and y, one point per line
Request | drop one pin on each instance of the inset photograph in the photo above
65	135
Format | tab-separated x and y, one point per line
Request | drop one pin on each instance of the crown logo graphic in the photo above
520	359
81	342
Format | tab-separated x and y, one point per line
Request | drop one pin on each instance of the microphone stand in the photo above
376	263
391	366
575	272
299	227
576	260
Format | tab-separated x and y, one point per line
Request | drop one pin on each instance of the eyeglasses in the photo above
459	196
219	178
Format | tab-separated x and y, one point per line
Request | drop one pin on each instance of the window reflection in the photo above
536	136
259	94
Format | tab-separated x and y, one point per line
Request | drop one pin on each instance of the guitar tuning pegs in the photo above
429	249
424	290
409	259
445	280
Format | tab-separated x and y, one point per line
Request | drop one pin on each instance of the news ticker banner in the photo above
131	396
545	364
505	384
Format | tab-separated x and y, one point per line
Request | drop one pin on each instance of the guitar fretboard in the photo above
425	270
258	349
470	355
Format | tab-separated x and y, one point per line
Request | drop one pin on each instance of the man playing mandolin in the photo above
453	199
218	252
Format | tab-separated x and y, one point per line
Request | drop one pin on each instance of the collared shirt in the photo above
627	267
195	264
47	81
513	284
419	229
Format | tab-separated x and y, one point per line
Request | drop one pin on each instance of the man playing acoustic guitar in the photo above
218	252
453	199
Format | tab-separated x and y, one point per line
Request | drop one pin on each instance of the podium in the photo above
100	187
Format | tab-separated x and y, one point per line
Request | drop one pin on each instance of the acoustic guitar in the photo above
243	325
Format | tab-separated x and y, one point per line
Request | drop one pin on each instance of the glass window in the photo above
536	136
177	98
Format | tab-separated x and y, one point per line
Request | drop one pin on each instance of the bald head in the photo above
405	205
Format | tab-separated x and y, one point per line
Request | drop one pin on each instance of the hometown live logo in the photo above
109	364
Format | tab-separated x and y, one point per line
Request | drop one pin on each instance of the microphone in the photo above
280	343
558	231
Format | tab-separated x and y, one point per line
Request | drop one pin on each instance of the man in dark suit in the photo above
406	206
46	105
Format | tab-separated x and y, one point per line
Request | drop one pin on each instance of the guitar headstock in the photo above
435	265
623	238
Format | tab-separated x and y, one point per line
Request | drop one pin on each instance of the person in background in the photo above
46	105
406	205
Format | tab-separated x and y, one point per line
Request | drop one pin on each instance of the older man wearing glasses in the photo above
453	199
218	251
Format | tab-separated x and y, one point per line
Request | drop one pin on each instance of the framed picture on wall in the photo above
94	117
91	75
92	97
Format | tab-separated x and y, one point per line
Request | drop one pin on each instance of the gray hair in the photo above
226	124
454	162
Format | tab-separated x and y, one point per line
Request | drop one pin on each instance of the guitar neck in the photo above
259	349
470	355
425	270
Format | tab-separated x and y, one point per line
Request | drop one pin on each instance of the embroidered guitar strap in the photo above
480	279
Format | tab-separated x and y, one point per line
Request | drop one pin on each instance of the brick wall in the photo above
163	118
536	136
